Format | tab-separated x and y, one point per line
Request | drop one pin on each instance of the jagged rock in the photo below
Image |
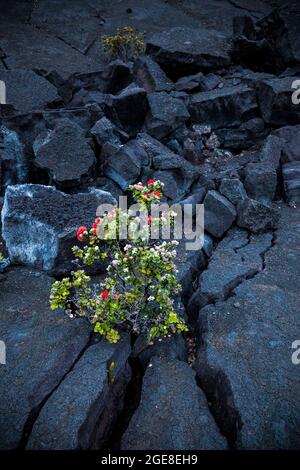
260	181
117	75
39	223
219	214
233	189
128	109
41	348
13	165
165	419
27	91
228	106
236	258
105	131
166	114
150	76
245	357
243	137
275	102
65	154
291	180
124	166
87	401
256	217
84	98
189	263
190	49
190	83
271	151
290	136
106	184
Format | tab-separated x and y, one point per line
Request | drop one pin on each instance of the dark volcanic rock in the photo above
117	76
219	214
27	91
256	217
13	165
260	181
65	154
41	348
166	114
128	109
150	76
173	412
105	131
291	180
228	106
233	189
290	136
81	412
189	50
39	223
245	356
275	100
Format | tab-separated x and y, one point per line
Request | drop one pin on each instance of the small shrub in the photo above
138	292
127	44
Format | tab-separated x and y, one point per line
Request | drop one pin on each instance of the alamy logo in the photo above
2	353
296	354
296	94
2	92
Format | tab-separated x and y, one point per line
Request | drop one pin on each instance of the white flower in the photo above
115	262
126	270
150	298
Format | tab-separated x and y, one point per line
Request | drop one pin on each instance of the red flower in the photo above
145	196
149	218
94	228
156	193
98	220
105	294
81	232
149	182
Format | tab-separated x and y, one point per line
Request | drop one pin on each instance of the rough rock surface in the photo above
219	213
49	219
80	413
41	348
291	180
165	420
255	216
65	154
244	361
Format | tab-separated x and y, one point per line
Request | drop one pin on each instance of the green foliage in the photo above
126	44
138	292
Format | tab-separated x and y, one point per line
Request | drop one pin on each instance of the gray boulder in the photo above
291	180
39	223
190	49
13	164
27	91
290	136
128	109
260	181
219	214
233	189
65	154
81	412
173	412
257	217
228	106
275	100
166	114
105	131
41	347
150	76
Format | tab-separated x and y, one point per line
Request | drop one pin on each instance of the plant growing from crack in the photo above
127	44
138	293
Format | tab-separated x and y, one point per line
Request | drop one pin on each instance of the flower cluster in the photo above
126	44
139	290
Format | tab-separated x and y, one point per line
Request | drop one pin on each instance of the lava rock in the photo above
219	214
128	109
190	49
290	136
166	114
256	217
260	181
13	164
39	224
190	83
65	154
42	347
27	91
150	76
87	401
117	75
275	102
105	131
233	189
228	106
291	180
166	418
270	153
